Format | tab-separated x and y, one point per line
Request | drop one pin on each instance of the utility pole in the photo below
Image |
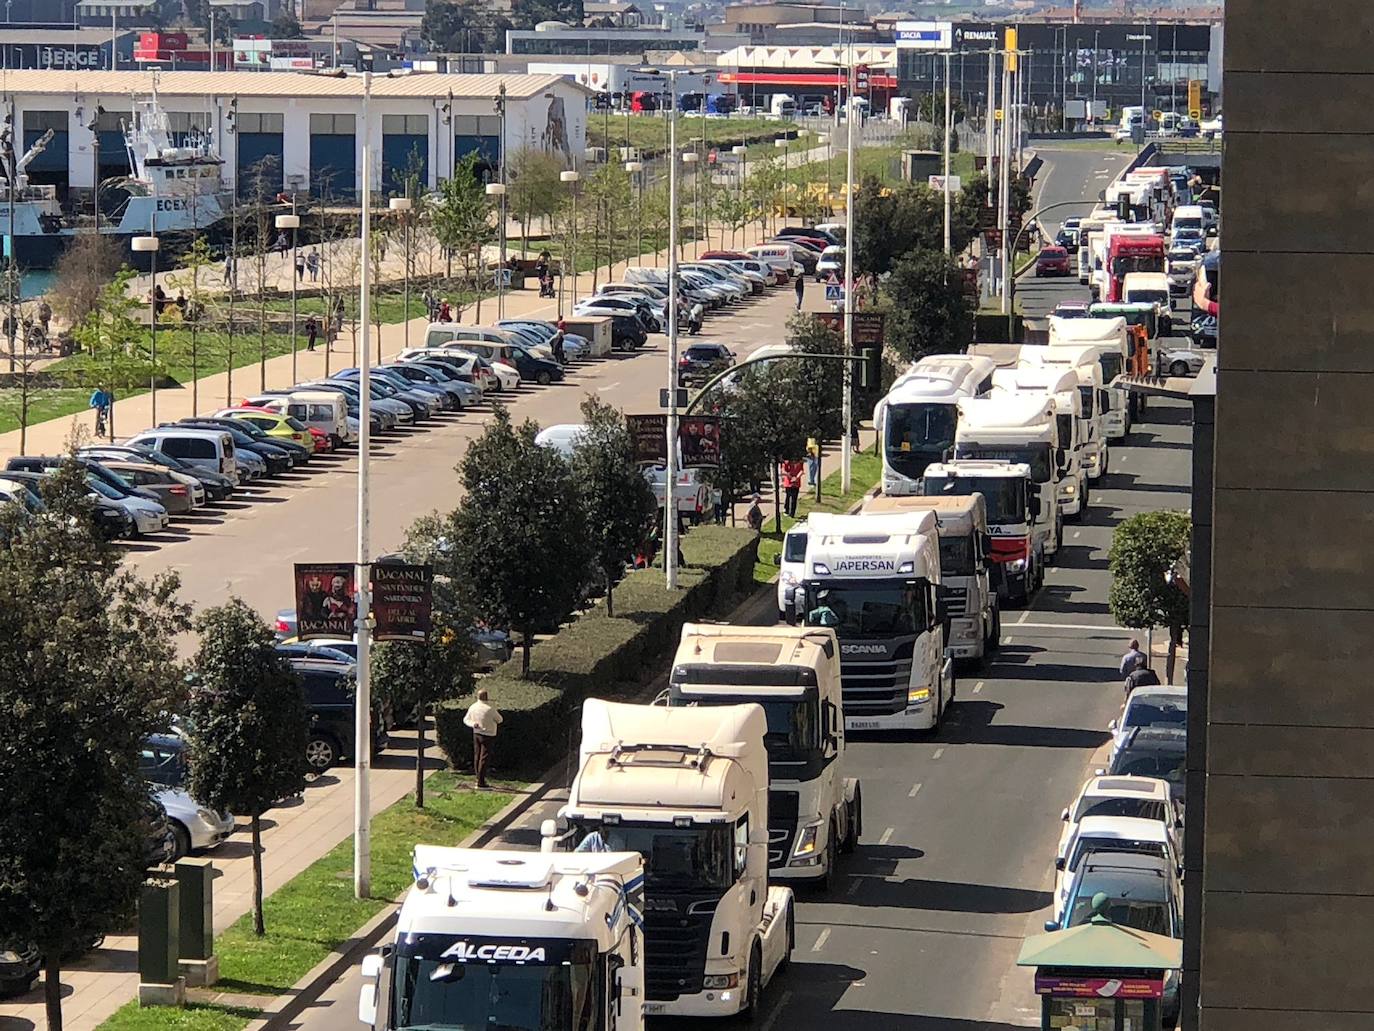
1004	180
949	128
362	740
846	446
670	478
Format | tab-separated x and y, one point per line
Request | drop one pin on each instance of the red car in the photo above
1052	261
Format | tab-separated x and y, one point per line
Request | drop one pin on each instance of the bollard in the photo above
197	959
159	920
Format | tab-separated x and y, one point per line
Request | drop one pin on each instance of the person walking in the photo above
483	718
300	267
312	262
312	333
801	290
813	461
1134	658
754	517
1142	676
791	475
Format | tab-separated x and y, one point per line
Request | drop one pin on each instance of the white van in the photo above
779	256
325	410
207	449
1189	216
791	567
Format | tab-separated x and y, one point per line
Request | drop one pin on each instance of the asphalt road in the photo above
955	866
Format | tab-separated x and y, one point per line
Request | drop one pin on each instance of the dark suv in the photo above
702	361
328	688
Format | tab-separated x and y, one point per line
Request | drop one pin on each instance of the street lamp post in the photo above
846	448
636	169
293	223
570	177
783	144
149	245
402	206
690	158
948	130
670	479
741	152
498	190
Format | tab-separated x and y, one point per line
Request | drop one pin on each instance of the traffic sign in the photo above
1158	116
834	292
1195	99
937	183
997	115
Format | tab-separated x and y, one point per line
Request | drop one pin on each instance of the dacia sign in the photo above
467	952
923	35
864	565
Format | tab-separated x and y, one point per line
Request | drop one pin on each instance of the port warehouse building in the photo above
311	127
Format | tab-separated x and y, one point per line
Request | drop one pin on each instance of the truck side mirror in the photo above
614	963
1035	506
777	560
1061	458
1059	863
371	971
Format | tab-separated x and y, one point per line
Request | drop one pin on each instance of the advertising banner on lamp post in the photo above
326	600
402	601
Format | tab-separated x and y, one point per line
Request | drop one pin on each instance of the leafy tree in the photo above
520	538
247	722
929	313
112	336
196	264
463	26
536	191
88	668
819	384
890	222
616	499
461	216
971	204
1145	548
763	189
285	26
767	416
526	14
83	271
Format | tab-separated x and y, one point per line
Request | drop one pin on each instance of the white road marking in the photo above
1076	533
609	386
914	791
887	835
977	687
777	1011
1024	616
938	752
1103	627
853	888
821	940
1007	640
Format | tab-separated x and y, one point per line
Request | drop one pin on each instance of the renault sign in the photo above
924	35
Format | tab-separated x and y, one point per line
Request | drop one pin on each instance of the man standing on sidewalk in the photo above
801	290
483	718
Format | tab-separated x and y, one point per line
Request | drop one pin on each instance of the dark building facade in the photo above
1107	62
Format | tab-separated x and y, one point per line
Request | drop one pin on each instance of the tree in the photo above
285	26
526	14
536	191
616	499
463	26
890	222
929	313
520	538
196	263
461	216
1145	549
88	669
766	413
111	334
83	271
971	205
247	723
819	384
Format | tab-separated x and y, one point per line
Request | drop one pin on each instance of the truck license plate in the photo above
863	725
653	1007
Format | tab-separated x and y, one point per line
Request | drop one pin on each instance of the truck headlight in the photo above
916	695
720	981
9	956
806	841
1071	489
788	579
1016	565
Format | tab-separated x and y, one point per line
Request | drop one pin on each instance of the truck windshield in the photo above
916	432
1006	498
1065	429
1111	366
1124	264
675	858
793	733
956	556
1037	456
1086	393
869	610
434	989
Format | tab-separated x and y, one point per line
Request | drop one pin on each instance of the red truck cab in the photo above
1128	253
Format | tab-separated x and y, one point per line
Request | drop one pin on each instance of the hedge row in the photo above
604	657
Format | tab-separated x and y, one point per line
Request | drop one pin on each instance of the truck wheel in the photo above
855	826
832	860
752	1010
791	940
995	637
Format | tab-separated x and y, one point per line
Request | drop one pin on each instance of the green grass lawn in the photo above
649	133
866	470
315	912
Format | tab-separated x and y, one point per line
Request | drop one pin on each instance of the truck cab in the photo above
967	593
1129	253
686	788
1020	429
793	673
1016	561
916	419
495	938
1150	288
1109	344
874	579
1094	403
1060	385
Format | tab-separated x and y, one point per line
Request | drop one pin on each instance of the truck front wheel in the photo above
853	826
753	1011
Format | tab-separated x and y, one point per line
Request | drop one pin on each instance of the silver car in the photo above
162	762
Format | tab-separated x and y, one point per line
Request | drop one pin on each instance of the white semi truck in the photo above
874	579
686	788
967	593
506	939
916	419
1021	429
1094	401
815	812
1109	340
1060	385
1017	557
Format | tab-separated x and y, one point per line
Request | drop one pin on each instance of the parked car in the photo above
329	702
1145	798
162	762
830	263
218	487
112	521
1098	834
280	455
1052	261
702	361
176	492
274	425
1160	706
20	965
148	516
1155	752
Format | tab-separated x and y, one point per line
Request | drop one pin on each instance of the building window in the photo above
332	125
41	121
255	121
405	125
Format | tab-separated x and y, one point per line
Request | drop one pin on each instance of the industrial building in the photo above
311	128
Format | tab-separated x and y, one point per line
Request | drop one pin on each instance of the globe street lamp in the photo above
148	245
570	176
499	190
293	223
402	206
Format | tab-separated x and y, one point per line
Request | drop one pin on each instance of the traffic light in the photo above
871	368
